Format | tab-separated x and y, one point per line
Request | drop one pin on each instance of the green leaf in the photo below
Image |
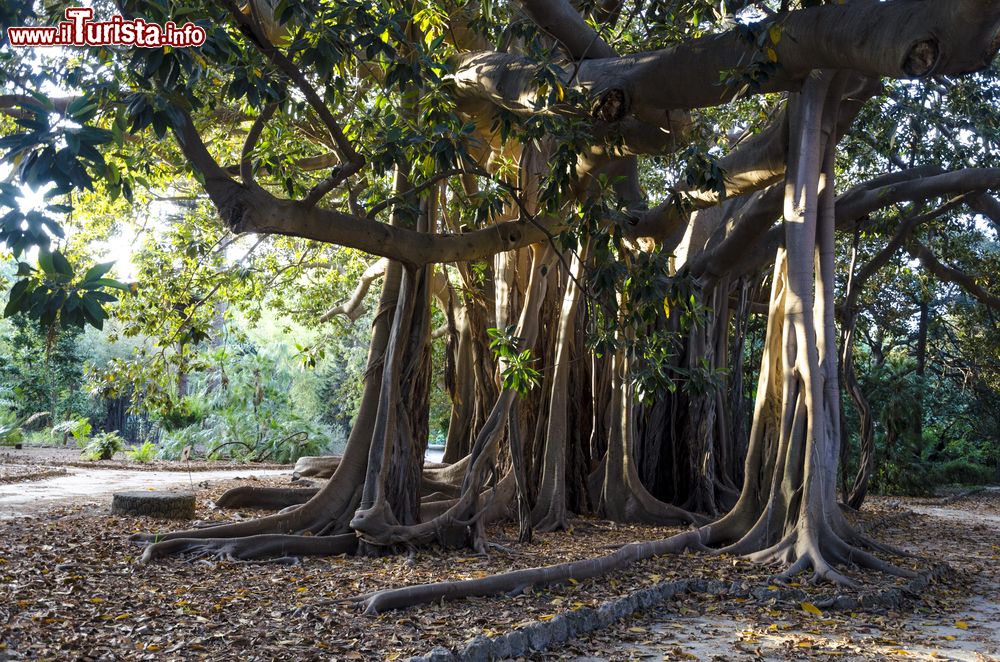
62	265
94	312
18	294
105	282
97	271
45	261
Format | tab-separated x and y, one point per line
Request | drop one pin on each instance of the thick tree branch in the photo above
560	19
950	274
252	209
755	163
899	39
859	203
912	186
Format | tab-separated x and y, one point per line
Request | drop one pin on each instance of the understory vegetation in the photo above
247	400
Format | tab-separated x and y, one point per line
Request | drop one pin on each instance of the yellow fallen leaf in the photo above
637	629
950	637
810	608
961	625
546	617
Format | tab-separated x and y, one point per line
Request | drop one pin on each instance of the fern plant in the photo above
103	446
144	453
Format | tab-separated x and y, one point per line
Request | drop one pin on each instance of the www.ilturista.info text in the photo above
79	30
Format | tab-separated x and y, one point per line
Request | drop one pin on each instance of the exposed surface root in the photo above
254	548
278	524
520	580
316	466
265	498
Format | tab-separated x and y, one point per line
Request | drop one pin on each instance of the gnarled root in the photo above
324	514
315	466
254	548
805	549
265	498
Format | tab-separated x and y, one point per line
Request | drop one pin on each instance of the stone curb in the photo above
543	634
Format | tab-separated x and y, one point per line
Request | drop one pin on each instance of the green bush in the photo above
172	443
908	476
144	453
78	428
10	428
964	472
103	446
189	411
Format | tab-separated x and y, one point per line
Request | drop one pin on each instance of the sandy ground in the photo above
35	478
81	485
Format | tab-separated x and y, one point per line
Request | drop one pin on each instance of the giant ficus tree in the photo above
493	156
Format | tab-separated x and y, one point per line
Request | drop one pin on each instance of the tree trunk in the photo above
788	510
550	512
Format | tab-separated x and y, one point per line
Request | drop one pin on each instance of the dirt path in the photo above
80	485
959	621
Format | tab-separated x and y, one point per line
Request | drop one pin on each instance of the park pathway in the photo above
82	485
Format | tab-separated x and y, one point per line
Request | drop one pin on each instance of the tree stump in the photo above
164	505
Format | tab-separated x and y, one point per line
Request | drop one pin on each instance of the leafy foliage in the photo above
243	409
78	428
518	373
145	452
103	446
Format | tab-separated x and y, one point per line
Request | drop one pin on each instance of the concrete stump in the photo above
164	505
